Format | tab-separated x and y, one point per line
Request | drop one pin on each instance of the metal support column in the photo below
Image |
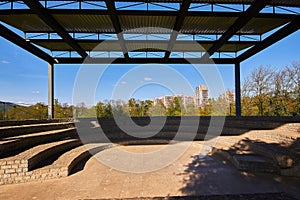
237	73
50	91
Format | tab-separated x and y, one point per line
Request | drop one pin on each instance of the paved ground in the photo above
189	175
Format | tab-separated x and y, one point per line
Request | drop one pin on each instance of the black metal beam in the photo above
251	12
229	2
50	91
21	42
188	42
116	23
59	44
237	75
272	39
45	15
145	61
150	13
177	26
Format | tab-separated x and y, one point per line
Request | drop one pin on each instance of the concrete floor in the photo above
188	175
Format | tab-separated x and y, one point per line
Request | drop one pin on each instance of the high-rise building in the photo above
201	95
166	100
200	99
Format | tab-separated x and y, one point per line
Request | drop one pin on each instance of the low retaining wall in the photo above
16	171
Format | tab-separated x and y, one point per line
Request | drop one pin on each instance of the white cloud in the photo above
123	82
4	62
147	79
35	92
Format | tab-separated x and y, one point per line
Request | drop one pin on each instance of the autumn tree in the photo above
260	88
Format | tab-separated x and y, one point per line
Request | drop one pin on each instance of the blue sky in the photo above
23	77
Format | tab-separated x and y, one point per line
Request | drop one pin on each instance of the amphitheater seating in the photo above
35	150
268	151
46	149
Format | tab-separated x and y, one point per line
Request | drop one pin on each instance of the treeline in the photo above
265	92
269	92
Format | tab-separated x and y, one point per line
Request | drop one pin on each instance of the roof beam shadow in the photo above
177	27
290	28
116	23
251	12
21	42
46	16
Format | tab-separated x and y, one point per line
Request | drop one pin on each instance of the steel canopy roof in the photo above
40	22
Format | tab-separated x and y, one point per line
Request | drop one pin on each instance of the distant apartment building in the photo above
200	99
201	95
167	99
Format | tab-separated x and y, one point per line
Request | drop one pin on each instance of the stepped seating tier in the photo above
14	145
264	151
11	131
45	149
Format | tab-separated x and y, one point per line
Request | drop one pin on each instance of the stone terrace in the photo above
40	150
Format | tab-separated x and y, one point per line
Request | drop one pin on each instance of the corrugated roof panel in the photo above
149	45
85	23
207	25
26	22
87	45
191	46
262	25
129	22
107	45
55	45
234	47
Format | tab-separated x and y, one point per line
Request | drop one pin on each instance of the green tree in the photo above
158	109
261	87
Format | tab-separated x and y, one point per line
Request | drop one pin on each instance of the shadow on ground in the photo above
215	175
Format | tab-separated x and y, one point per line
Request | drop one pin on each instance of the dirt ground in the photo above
191	174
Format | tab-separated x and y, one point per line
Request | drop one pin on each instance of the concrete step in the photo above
33	121
15	167
15	145
283	156
293	171
64	165
61	167
16	130
295	147
250	123
248	161
34	157
275	136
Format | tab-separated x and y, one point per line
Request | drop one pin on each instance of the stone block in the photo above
18	170
23	165
14	166
17	161
13	175
5	176
28	173
10	171
10	162
21	174
6	167
2	162
24	161
2	171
